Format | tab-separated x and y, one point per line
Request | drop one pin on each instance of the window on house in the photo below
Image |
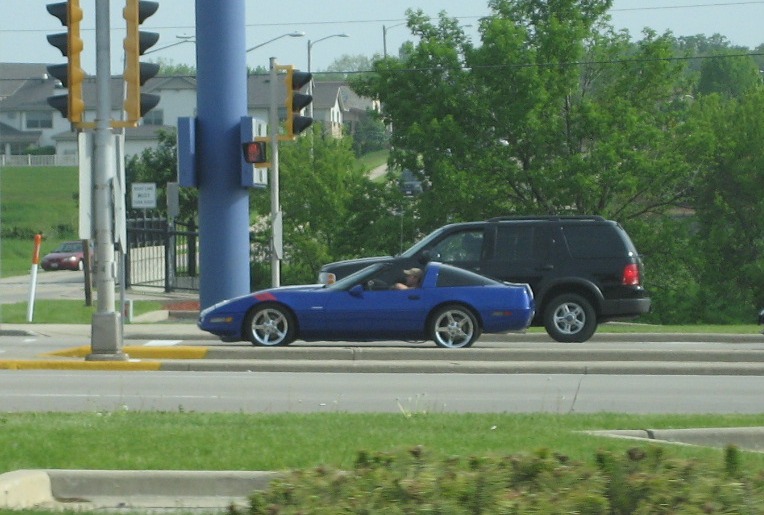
154	117
39	120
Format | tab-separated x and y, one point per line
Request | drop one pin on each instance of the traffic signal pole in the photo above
106	334
222	101
276	218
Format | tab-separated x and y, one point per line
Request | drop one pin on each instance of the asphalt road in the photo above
275	392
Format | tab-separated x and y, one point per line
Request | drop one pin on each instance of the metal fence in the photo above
162	254
32	160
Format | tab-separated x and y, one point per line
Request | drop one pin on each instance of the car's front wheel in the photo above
570	318
269	325
454	327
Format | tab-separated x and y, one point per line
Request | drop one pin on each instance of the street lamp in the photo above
384	36
296	34
310	48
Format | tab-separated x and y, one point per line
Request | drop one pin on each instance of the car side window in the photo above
518	242
465	246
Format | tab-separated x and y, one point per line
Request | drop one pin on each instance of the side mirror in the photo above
356	291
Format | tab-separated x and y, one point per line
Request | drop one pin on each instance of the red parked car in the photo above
68	256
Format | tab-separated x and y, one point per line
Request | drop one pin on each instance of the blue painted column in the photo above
221	102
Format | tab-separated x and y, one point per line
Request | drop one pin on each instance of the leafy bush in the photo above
640	482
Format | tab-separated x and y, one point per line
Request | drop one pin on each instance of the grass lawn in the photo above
64	311
241	441
32	200
373	159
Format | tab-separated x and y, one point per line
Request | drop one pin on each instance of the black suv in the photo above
583	269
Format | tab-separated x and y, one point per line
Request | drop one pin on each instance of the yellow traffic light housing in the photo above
71	75
296	101
136	74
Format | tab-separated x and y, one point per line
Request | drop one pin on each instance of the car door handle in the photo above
546	267
414	297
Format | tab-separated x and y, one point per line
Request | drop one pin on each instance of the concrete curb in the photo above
577	360
748	438
108	489
25	489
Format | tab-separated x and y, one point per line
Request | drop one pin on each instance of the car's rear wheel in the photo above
570	318
269	325
454	326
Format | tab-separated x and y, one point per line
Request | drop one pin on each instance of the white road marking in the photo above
162	343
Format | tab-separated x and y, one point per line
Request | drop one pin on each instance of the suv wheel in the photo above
570	318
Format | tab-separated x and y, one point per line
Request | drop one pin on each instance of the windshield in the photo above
355	278
70	246
421	244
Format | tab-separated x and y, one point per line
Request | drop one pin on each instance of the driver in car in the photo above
413	279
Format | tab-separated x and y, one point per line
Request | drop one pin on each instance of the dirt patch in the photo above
185	305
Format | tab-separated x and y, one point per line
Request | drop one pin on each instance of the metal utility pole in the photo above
276	219
222	101
106	335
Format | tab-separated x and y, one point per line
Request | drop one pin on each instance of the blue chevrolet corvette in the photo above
451	306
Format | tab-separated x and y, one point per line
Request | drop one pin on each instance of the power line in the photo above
690	6
399	20
509	66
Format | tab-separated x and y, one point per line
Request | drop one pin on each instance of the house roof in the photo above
141	132
9	134
325	94
15	76
34	86
31	93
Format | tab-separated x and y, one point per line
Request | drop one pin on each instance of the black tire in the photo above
570	318
454	327
269	325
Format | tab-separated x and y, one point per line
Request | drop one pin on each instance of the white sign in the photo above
144	195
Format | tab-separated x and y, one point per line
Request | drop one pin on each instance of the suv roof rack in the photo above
596	218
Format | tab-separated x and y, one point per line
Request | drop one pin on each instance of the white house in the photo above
27	120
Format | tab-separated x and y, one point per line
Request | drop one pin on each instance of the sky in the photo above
24	25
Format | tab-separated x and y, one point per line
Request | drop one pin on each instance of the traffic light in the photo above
136	73
296	101
254	152
71	75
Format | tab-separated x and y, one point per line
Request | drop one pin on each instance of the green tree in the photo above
169	68
724	142
729	75
553	113
330	209
159	165
346	63
370	135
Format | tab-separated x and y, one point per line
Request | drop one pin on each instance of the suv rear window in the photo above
600	241
520	243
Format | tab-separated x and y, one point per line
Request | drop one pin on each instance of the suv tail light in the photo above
630	275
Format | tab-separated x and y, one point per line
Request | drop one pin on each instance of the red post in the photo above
36	253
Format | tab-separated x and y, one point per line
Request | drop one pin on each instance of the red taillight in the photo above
630	275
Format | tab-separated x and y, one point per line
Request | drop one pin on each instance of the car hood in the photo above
264	293
59	255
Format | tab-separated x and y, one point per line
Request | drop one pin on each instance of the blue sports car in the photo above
450	305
